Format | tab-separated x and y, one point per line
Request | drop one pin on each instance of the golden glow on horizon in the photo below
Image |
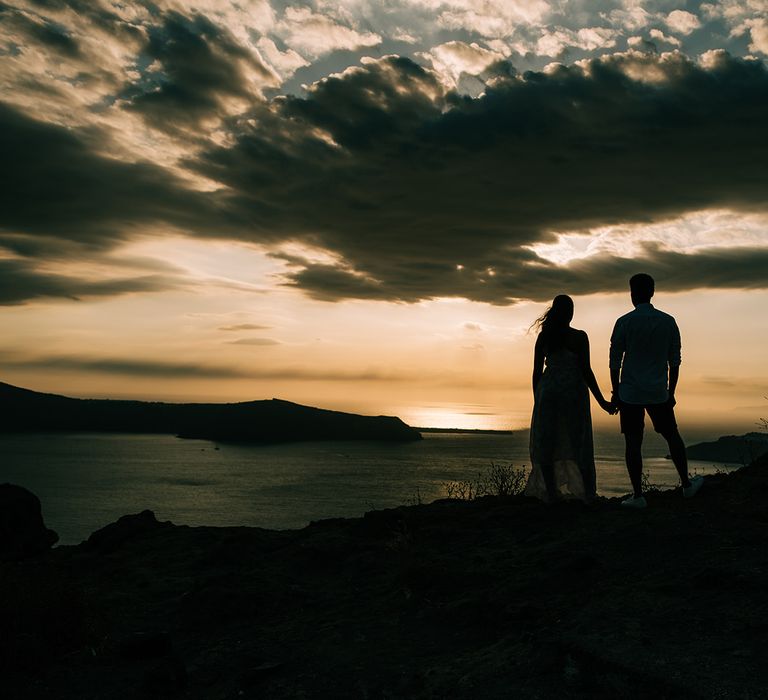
232	331
435	364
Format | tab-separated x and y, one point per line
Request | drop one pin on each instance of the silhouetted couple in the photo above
645	366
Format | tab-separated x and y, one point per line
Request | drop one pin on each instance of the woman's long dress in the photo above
561	430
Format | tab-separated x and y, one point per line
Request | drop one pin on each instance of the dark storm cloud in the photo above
95	9
199	64
52	184
387	102
21	282
419	193
44	22
408	184
718	268
329	283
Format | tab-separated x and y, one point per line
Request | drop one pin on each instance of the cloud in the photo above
21	282
720	381
718	268
124	366
454	58
638	43
193	68
419	193
244	327
80	196
682	22
169	369
658	35
758	31
40	31
329	283
630	17
263	342
488	18
59	58
315	34
285	62
412	190
554	42
742	18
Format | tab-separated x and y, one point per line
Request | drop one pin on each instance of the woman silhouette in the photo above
562	454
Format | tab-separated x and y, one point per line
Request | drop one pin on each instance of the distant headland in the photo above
267	421
737	449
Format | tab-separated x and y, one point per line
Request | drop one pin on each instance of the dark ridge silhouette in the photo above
740	449
269	421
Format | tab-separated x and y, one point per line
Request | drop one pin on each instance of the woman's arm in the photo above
538	363
589	375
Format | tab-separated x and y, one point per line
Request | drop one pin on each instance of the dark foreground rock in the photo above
23	533
496	598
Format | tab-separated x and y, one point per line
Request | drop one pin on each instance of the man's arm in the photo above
674	359
674	375
615	371
616	355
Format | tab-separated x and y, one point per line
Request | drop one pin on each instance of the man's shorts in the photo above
632	417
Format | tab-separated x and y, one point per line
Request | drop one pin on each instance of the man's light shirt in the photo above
644	344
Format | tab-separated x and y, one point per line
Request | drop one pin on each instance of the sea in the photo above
85	481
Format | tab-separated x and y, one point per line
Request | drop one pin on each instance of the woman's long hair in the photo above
554	323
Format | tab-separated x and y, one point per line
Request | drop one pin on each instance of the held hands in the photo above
610	407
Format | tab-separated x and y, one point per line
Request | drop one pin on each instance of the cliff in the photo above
494	598
272	420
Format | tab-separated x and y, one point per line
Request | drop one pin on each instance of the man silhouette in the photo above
645	367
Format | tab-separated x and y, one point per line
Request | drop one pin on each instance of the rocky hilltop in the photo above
268	421
493	598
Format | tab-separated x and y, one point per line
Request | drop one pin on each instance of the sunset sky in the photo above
363	205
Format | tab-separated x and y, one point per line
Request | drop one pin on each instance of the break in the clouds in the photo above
439	170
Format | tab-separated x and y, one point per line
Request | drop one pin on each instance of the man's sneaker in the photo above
633	502
696	484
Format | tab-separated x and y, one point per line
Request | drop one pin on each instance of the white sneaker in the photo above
633	502
696	483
